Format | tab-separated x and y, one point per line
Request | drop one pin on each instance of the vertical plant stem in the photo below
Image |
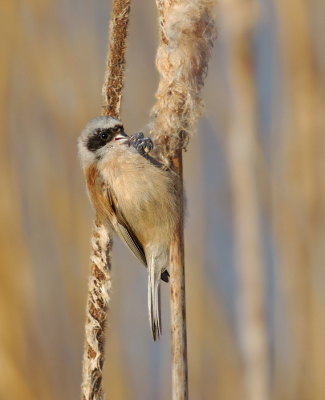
299	196
240	17
113	82
100	275
186	39
96	312
177	301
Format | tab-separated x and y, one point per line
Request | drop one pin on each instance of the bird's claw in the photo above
141	144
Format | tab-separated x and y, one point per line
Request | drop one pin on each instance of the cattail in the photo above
187	31
298	204
96	312
240	18
100	276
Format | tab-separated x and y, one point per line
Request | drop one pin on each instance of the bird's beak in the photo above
122	137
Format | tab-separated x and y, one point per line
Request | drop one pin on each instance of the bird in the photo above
134	196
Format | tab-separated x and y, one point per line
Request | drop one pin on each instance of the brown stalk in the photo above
240	18
187	31
100	275
113	82
299	205
177	300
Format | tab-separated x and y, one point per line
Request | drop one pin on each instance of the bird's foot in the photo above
144	145
165	276
141	144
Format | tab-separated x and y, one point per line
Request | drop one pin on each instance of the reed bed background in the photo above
255	233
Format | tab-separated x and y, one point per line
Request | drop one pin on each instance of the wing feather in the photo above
124	231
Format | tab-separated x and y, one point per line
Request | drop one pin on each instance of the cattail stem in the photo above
100	276
177	301
96	311
243	162
186	39
113	82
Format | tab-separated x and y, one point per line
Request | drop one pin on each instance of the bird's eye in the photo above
104	135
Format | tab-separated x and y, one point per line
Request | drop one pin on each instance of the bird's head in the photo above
98	136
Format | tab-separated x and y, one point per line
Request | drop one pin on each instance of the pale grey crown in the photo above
96	134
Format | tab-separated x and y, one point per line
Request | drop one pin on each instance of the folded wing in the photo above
125	233
123	229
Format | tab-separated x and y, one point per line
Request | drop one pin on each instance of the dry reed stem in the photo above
178	301
240	17
187	31
96	311
113	82
299	206
100	276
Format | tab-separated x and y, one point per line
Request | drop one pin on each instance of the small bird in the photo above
134	196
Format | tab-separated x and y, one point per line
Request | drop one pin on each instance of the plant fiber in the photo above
187	30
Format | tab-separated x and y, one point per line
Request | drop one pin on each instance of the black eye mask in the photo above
100	139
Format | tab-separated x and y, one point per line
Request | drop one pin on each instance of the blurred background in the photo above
255	232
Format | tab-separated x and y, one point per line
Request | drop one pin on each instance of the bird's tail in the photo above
155	266
154	303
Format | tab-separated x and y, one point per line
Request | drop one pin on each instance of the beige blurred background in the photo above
254	176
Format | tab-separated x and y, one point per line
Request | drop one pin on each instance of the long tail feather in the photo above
154	300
